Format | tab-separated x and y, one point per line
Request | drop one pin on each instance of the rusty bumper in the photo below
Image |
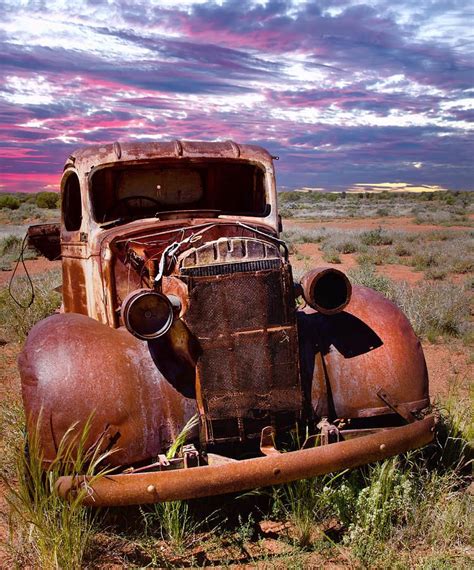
154	487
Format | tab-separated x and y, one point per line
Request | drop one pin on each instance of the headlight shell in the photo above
147	314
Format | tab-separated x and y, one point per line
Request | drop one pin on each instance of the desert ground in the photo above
419	251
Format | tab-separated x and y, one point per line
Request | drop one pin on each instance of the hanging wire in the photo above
30	282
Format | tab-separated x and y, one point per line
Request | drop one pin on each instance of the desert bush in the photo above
16	321
295	236
462	266
367	276
425	260
49	200
373	257
402	250
9	202
376	237
384	502
436	273
346	246
433	308
331	256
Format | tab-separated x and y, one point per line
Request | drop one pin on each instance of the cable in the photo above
30	282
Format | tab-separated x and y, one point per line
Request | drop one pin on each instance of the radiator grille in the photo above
227	268
248	370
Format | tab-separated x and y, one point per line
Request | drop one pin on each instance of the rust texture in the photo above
248	474
45	238
179	299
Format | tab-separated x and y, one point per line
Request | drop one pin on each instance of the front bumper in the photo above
155	487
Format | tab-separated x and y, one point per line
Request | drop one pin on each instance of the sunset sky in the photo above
347	93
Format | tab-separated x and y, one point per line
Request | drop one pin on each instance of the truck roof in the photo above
90	156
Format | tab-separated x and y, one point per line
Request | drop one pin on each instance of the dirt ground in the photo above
33	266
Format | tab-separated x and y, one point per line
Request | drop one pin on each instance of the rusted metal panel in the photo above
87	158
46	239
351	355
73	367
249	474
74	287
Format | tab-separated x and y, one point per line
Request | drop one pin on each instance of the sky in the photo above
348	93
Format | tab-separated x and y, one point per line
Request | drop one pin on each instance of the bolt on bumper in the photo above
161	486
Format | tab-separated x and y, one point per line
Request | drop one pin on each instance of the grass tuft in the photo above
46	531
174	518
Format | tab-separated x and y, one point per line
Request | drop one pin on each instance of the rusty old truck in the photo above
179	301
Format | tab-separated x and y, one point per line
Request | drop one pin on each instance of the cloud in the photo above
393	187
341	90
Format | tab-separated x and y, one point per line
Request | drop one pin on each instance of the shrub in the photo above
9	202
425	260
10	249
402	250
373	257
346	247
436	273
433	309
367	276
47	200
376	237
331	256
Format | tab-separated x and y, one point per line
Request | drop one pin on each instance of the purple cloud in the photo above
339	90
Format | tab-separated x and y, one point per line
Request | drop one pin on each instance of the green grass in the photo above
46	531
433	309
174	518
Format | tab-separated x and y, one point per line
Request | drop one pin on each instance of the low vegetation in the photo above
21	207
440	208
408	511
433	309
17	315
10	250
411	511
48	532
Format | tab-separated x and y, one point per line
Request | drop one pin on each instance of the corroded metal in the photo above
348	357
45	238
235	349
327	290
248	474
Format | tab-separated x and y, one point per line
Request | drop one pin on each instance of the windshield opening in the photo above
141	191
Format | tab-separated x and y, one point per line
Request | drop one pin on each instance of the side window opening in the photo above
71	202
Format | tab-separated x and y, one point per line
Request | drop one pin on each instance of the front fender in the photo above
348	357
73	367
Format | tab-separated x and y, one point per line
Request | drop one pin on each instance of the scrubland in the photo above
411	511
